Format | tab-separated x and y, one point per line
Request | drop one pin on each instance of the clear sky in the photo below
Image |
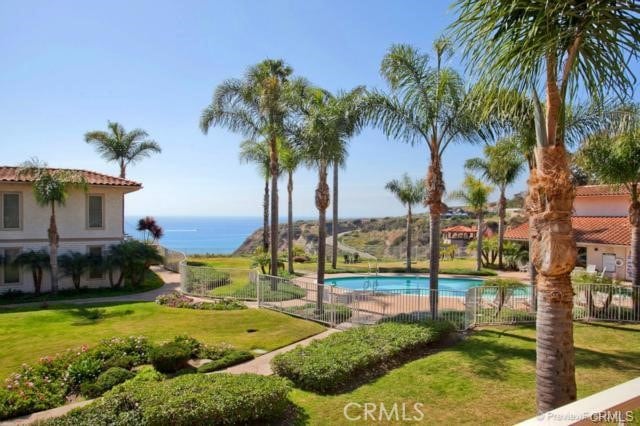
69	66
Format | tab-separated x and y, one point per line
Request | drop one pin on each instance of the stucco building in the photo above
89	222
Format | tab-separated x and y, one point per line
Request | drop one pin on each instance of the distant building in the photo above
89	222
461	235
601	229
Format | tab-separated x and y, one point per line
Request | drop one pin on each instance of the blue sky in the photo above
69	66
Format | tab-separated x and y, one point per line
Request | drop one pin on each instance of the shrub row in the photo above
178	300
194	399
329	364
231	358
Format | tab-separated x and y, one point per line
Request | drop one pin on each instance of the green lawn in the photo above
152	282
487	379
29	333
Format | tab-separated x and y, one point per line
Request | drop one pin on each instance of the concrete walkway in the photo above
171	283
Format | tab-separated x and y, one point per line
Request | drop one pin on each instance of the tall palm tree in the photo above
613	157
121	146
475	194
426	104
252	151
409	193
328	122
259	104
51	188
290	159
334	216
501	166
37	261
523	45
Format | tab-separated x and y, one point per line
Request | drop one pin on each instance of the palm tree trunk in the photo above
322	202
123	169
290	222
634	219
334	227
502	206
265	217
273	169
53	249
479	236
550	202
435	189
409	239
36	283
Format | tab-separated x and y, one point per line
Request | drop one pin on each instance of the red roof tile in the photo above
587	229
459	228
10	174
600	190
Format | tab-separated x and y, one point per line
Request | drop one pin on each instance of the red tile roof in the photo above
10	174
587	229
459	228
600	190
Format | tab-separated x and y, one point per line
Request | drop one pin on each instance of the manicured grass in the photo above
151	282
487	379
30	333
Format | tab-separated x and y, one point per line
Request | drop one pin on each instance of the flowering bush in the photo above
178	300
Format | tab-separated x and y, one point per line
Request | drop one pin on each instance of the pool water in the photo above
404	284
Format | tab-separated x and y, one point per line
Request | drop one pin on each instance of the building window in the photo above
11	210
95	211
10	271
95	269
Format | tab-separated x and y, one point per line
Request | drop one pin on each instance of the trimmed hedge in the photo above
193	399
328	365
170	357
231	358
106	381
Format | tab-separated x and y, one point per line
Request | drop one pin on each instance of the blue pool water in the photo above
404	284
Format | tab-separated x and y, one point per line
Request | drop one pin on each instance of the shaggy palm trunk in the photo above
334	227
435	189
53	249
479	236
502	206
550	203
409	239
290	222
322	202
123	169
265	217
36	272
273	169
634	219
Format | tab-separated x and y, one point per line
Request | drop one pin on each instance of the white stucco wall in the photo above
601	206
594	257
74	234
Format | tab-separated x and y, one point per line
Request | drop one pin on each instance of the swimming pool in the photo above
404	284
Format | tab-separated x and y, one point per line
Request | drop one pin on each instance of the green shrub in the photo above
105	381
329	364
123	361
194	399
148	374
136	347
231	358
189	342
170	357
85	369
214	351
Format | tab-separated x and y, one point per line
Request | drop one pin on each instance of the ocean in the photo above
193	235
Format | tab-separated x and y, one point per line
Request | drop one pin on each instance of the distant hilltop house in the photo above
455	212
89	222
600	227
461	235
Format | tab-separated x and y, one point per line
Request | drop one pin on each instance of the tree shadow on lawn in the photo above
90	316
491	358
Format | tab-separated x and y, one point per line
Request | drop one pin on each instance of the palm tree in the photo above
475	194
121	146
427	104
252	151
328	122
501	166
259	104
290	159
37	261
334	216
613	157
74	265
409	193
151	230
523	45
115	260
51	188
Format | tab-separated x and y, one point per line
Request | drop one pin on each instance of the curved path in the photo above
349	249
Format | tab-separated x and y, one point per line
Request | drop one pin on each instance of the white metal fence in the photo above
171	259
333	305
